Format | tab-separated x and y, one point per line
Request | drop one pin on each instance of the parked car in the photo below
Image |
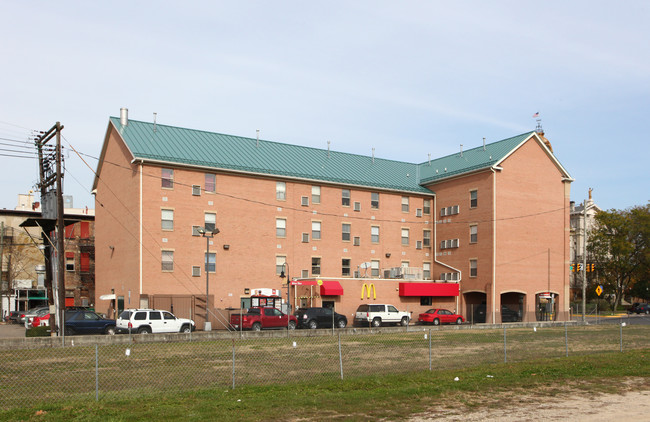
87	322
440	316
319	318
376	315
259	318
147	321
640	308
509	315
37	321
13	317
31	313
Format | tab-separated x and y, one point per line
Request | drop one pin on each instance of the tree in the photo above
619	246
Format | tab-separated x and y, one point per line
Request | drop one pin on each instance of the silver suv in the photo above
147	321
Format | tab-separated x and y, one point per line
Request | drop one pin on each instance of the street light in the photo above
282	276
208	234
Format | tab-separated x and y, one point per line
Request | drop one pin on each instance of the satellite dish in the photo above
365	265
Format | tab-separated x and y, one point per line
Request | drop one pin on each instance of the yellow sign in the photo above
599	290
320	282
367	288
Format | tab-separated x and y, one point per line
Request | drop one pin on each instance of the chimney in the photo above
124	116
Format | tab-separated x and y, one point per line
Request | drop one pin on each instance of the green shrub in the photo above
42	331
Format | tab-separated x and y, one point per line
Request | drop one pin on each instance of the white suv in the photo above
376	315
146	321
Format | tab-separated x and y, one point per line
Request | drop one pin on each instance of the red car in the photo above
40	320
440	316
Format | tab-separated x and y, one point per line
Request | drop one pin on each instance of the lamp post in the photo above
208	234
282	276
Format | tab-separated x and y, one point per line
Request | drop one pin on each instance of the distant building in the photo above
475	231
581	225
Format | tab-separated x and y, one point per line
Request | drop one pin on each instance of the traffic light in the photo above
579	267
571	269
593	267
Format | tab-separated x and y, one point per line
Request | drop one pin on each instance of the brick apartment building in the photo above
484	227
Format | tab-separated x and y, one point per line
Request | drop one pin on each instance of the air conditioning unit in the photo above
304	201
305	238
418	212
418	244
357	241
387	274
357	274
396	272
357	206
443	212
196	190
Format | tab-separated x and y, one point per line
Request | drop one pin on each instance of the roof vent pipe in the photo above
124	116
373	156
461	150
328	149
257	144
484	143
154	121
429	159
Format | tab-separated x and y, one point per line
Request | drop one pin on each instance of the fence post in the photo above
340	357
429	349
96	373
505	352
233	362
621	326
566	339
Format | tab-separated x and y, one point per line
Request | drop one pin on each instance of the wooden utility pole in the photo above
60	235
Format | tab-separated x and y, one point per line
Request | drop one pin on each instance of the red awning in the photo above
304	283
429	289
331	288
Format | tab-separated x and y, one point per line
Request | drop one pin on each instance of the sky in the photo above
408	78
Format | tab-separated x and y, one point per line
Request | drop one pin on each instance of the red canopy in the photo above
331	288
429	289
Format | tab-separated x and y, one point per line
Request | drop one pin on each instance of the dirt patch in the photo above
577	402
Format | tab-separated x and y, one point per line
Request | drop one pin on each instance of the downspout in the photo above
140	229
494	242
435	255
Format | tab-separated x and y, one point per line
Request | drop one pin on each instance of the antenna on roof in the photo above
373	156
154	121
257	144
461	150
328	149
484	143
429	159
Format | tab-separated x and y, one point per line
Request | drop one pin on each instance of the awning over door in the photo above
429	289
331	288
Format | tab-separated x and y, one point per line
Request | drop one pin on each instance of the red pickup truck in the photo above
260	318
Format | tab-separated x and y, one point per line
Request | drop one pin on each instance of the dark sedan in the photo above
87	322
320	317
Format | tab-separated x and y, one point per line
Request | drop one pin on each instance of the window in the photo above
84	262
443	212
304	273
418	212
345	232
315	194
168	219
426	238
167	260
405	204
426	270
211	262
473	234
167	178
305	238
279	263
195	231
374	234
280	227
374	200
345	267
426	206
304	201
281	191
357	206
196	190
357	241
374	268
315	266
418	244
473	198
84	229
196	271
426	300
345	197
155	315
69	261
315	230
210	183
210	223
473	268
405	237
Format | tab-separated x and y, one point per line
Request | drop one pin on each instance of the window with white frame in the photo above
315	194
315	266
473	198
374	200
405	236
426	206
280	227
210	183
279	263
167	260
210	222
473	268
345	267
345	197
426	238
473	233
167	178
405	204
418	212
280	191
357	206
346	229
211	262
374	234
167	219
374	268
426	270
315	230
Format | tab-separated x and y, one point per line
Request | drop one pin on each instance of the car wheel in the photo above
405	321
341	323
459	321
436	321
110	331
144	330
647	311
186	329
257	327
376	322
312	324
292	325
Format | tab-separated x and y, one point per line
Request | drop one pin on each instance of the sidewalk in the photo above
12	330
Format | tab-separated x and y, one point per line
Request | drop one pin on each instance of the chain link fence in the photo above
143	366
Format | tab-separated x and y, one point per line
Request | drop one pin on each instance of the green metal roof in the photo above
471	160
